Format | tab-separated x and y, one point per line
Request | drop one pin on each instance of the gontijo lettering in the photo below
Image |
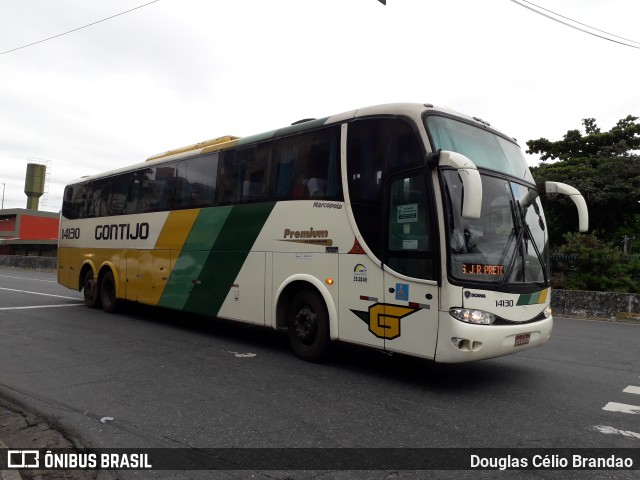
122	231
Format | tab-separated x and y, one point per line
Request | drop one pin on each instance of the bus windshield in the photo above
484	148
508	244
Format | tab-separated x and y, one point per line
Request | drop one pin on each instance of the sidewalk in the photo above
24	429
8	474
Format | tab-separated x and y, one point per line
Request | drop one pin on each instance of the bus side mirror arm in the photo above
576	196
470	177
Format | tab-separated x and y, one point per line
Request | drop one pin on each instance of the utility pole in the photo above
3	185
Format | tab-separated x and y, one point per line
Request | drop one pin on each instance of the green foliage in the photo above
605	167
619	141
596	265
611	188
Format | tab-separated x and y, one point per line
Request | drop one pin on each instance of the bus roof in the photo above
229	141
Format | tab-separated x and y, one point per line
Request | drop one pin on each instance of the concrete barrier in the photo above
568	303
29	262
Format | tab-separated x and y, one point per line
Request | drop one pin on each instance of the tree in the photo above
611	188
591	264
621	140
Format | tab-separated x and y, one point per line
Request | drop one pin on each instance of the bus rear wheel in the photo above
308	326
108	293
90	290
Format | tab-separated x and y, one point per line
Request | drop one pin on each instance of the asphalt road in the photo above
170	380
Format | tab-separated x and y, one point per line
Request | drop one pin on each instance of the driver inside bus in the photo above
462	241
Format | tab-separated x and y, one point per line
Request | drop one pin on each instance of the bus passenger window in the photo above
229	188
202	176
134	199
308	165
119	190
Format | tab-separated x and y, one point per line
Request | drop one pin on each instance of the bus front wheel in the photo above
308	326
108	293
90	290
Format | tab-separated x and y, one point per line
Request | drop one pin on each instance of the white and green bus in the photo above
404	227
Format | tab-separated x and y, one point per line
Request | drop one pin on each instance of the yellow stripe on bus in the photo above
176	229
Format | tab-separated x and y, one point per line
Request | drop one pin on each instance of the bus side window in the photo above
68	206
229	183
256	175
182	196
376	147
134	198
308	165
148	195
119	190
202	177
100	204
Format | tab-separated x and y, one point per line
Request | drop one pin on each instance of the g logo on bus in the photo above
384	319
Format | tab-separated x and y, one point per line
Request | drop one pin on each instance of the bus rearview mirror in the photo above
471	182
575	195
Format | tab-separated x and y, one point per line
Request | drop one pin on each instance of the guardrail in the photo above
580	303
29	262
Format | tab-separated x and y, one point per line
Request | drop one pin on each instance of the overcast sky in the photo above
181	71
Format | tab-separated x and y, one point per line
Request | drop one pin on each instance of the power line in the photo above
79	28
580	23
574	26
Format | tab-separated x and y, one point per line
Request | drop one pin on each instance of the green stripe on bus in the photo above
530	298
525	299
228	254
194	253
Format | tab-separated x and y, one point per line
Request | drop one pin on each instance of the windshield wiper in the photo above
522	229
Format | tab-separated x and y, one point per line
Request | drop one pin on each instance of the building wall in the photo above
38	228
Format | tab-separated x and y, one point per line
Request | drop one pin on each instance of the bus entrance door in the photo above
411	316
410	288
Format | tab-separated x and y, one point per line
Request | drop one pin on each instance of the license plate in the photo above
522	339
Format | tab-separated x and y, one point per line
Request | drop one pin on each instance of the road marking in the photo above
621	407
610	430
38	293
26	278
632	389
42	306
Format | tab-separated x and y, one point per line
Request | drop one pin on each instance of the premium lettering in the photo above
311	233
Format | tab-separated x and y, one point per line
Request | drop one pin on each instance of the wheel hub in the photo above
306	324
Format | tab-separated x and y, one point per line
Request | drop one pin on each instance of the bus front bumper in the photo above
464	342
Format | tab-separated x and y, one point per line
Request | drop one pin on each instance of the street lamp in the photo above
3	185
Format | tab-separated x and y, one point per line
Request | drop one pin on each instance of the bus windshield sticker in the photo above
356	249
410	244
402	291
407	213
360	273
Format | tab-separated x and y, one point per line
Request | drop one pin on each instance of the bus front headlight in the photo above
478	317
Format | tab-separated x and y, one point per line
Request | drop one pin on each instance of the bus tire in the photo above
90	289
308	326
108	293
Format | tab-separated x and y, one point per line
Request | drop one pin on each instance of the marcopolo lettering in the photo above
70	234
336	206
122	231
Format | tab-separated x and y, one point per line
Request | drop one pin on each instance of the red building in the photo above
28	232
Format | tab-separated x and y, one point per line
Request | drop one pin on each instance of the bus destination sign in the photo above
479	269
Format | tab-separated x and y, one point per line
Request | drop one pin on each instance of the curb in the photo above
8	474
